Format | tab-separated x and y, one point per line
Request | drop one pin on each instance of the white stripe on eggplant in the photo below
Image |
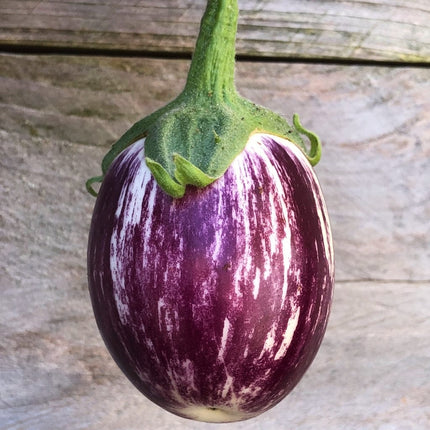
270	341
289	333
225	332
256	283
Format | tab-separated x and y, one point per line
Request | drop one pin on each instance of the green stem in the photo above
212	68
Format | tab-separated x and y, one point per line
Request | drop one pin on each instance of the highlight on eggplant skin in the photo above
213	305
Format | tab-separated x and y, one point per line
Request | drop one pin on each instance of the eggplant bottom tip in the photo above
213	414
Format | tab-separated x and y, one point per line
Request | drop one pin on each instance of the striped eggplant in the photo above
210	259
213	305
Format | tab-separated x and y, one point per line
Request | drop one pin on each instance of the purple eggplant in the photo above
215	304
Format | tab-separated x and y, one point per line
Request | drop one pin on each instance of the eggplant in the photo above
211	268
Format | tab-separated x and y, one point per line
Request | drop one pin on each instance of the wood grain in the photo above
381	30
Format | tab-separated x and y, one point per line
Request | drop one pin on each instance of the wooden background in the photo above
75	74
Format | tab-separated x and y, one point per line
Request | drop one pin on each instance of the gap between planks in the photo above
131	53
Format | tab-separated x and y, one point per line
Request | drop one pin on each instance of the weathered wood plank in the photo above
374	123
370	30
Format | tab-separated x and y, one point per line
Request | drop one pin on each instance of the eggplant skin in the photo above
215	304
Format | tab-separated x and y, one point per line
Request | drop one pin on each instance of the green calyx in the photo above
194	139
